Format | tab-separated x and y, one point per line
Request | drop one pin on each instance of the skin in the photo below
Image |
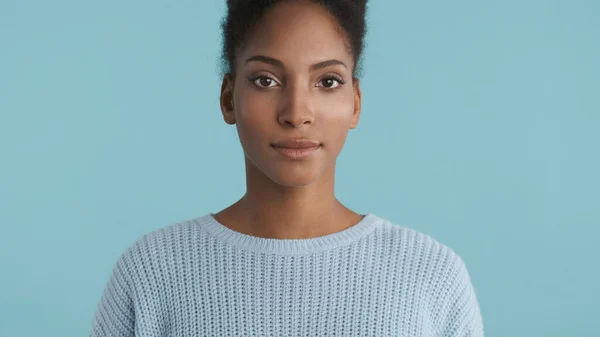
285	198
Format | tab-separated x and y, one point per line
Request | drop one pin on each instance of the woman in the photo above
289	259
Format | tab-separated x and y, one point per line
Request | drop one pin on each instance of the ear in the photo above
357	103
227	107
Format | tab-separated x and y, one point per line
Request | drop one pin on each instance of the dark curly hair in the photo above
243	15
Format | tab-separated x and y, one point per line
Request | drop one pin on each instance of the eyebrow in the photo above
279	64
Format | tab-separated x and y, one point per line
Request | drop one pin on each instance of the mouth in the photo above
299	153
296	148
296	143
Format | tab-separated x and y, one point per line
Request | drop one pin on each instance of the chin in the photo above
291	179
287	173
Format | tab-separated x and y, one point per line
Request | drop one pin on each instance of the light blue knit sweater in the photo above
200	278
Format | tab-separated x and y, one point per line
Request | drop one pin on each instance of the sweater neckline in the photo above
288	246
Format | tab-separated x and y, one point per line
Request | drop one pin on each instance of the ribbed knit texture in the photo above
200	278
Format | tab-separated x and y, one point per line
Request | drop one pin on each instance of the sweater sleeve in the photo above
462	314
115	315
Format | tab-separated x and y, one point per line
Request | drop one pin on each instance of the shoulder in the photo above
435	268
170	237
440	274
155	248
423	249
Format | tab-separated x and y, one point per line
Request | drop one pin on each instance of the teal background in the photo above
480	127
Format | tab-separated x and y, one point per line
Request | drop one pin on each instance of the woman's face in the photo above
293	80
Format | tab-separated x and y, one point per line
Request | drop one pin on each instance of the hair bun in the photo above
242	15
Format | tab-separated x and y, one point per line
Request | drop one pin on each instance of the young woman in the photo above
288	258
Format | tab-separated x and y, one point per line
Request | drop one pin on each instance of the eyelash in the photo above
329	77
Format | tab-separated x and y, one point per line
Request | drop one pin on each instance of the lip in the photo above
298	153
297	143
296	148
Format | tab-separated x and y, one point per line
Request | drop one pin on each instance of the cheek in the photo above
252	119
336	116
337	107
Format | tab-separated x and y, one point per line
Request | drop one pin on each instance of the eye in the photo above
331	82
263	81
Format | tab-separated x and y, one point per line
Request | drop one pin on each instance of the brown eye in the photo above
263	81
331	82
328	83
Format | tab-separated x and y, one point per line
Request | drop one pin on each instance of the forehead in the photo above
298	32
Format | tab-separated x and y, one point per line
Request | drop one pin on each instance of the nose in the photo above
295	109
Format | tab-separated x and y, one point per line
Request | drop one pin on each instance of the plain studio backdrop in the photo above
480	127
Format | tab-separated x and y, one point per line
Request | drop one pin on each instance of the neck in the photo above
270	210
